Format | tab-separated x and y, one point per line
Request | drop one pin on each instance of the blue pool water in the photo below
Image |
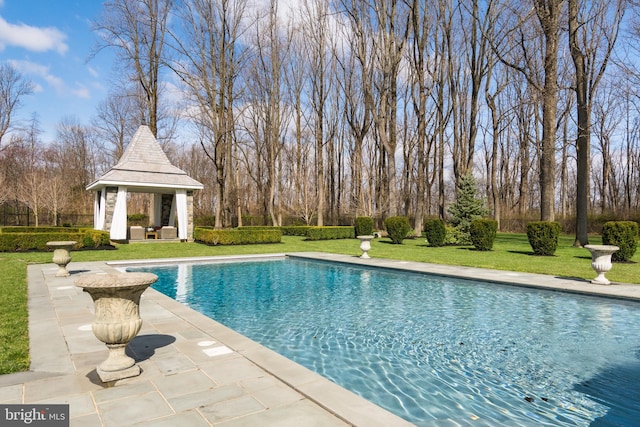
429	348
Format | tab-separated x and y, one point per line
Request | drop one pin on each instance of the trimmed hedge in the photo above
21	242
330	233
364	226
435	232
543	236
397	227
295	230
139	219
623	234
40	230
236	237
291	230
483	233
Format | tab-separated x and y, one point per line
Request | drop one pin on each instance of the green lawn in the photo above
510	252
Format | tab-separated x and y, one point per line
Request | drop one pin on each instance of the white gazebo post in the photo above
181	210
118	229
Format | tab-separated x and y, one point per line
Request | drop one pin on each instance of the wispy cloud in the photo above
43	72
32	38
81	92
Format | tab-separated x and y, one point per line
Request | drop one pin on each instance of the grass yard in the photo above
510	252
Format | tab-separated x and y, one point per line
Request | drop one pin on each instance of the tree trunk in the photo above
583	144
548	12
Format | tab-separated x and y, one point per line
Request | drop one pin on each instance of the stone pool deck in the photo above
196	372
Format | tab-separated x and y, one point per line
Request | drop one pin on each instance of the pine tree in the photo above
469	205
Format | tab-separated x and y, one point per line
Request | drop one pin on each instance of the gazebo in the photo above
144	168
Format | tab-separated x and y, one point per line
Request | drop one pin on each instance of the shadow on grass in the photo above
530	253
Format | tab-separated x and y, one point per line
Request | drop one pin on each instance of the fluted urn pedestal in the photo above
365	245
61	255
117	321
601	261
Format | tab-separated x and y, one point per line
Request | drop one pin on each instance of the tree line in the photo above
335	109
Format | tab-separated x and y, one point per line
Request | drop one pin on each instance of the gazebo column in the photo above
156	219
118	229
99	209
190	216
110	203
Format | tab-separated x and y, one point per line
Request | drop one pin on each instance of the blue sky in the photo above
50	42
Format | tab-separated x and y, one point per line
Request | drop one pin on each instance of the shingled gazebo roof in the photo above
144	167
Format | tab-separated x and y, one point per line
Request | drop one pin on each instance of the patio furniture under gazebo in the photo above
145	168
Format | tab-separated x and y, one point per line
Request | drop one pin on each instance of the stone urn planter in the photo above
601	261
61	255
117	321
365	245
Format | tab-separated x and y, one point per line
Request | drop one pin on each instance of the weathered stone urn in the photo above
117	319
365	245
61	255
601	261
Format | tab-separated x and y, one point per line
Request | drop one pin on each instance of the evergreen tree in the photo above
469	205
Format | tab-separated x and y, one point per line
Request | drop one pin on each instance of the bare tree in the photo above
316	30
421	23
13	87
493	88
356	64
136	29
32	186
75	147
208	61
57	196
266	112
535	55
304	201
467	76
393	30
593	31
115	124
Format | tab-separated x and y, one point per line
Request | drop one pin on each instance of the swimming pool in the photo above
430	348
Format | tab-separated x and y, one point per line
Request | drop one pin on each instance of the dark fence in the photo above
18	214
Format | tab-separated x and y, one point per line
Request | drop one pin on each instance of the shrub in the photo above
88	242
483	233
623	234
469	205
329	233
397	228
236	237
454	236
364	226
543	236
435	231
